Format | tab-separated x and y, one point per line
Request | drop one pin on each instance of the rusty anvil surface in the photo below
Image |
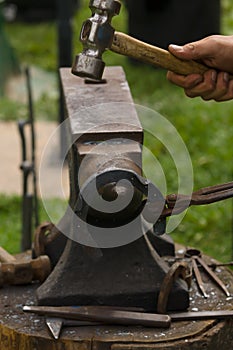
124	275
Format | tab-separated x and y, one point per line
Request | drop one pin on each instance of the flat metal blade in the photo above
55	326
202	315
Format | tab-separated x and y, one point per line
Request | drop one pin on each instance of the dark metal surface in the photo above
202	315
96	36
103	315
215	265
88	274
106	184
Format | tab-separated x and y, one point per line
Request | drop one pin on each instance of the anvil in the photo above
113	255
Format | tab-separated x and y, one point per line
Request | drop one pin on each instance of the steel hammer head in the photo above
96	36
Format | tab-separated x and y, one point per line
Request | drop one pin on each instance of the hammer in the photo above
15	272
97	35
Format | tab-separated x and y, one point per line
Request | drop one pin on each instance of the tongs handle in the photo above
212	194
176	203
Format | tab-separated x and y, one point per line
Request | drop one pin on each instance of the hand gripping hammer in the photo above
97	35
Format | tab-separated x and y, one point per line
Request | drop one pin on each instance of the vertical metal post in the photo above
65	33
30	210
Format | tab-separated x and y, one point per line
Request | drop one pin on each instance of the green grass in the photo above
34	43
10	223
206	128
45	108
12	110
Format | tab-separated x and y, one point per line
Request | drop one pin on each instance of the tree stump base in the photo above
22	331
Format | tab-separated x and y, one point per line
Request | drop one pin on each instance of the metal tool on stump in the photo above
57	317
124	266
22	271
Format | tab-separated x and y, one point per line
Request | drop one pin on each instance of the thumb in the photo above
191	51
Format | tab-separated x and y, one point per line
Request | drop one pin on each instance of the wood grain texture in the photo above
128	46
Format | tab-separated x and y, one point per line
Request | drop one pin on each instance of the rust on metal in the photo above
176	203
20	272
179	269
42	237
196	259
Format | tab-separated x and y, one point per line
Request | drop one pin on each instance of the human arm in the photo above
216	52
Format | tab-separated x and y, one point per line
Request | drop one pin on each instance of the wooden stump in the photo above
19	331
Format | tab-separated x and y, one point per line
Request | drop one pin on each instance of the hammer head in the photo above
96	36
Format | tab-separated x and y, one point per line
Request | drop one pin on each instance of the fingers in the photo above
215	86
210	86
186	82
229	93
206	88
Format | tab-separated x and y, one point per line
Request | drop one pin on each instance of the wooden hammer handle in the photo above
128	46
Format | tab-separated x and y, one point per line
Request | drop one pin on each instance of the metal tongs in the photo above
176	203
196	259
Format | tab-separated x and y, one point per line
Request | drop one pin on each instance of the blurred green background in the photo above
206	128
